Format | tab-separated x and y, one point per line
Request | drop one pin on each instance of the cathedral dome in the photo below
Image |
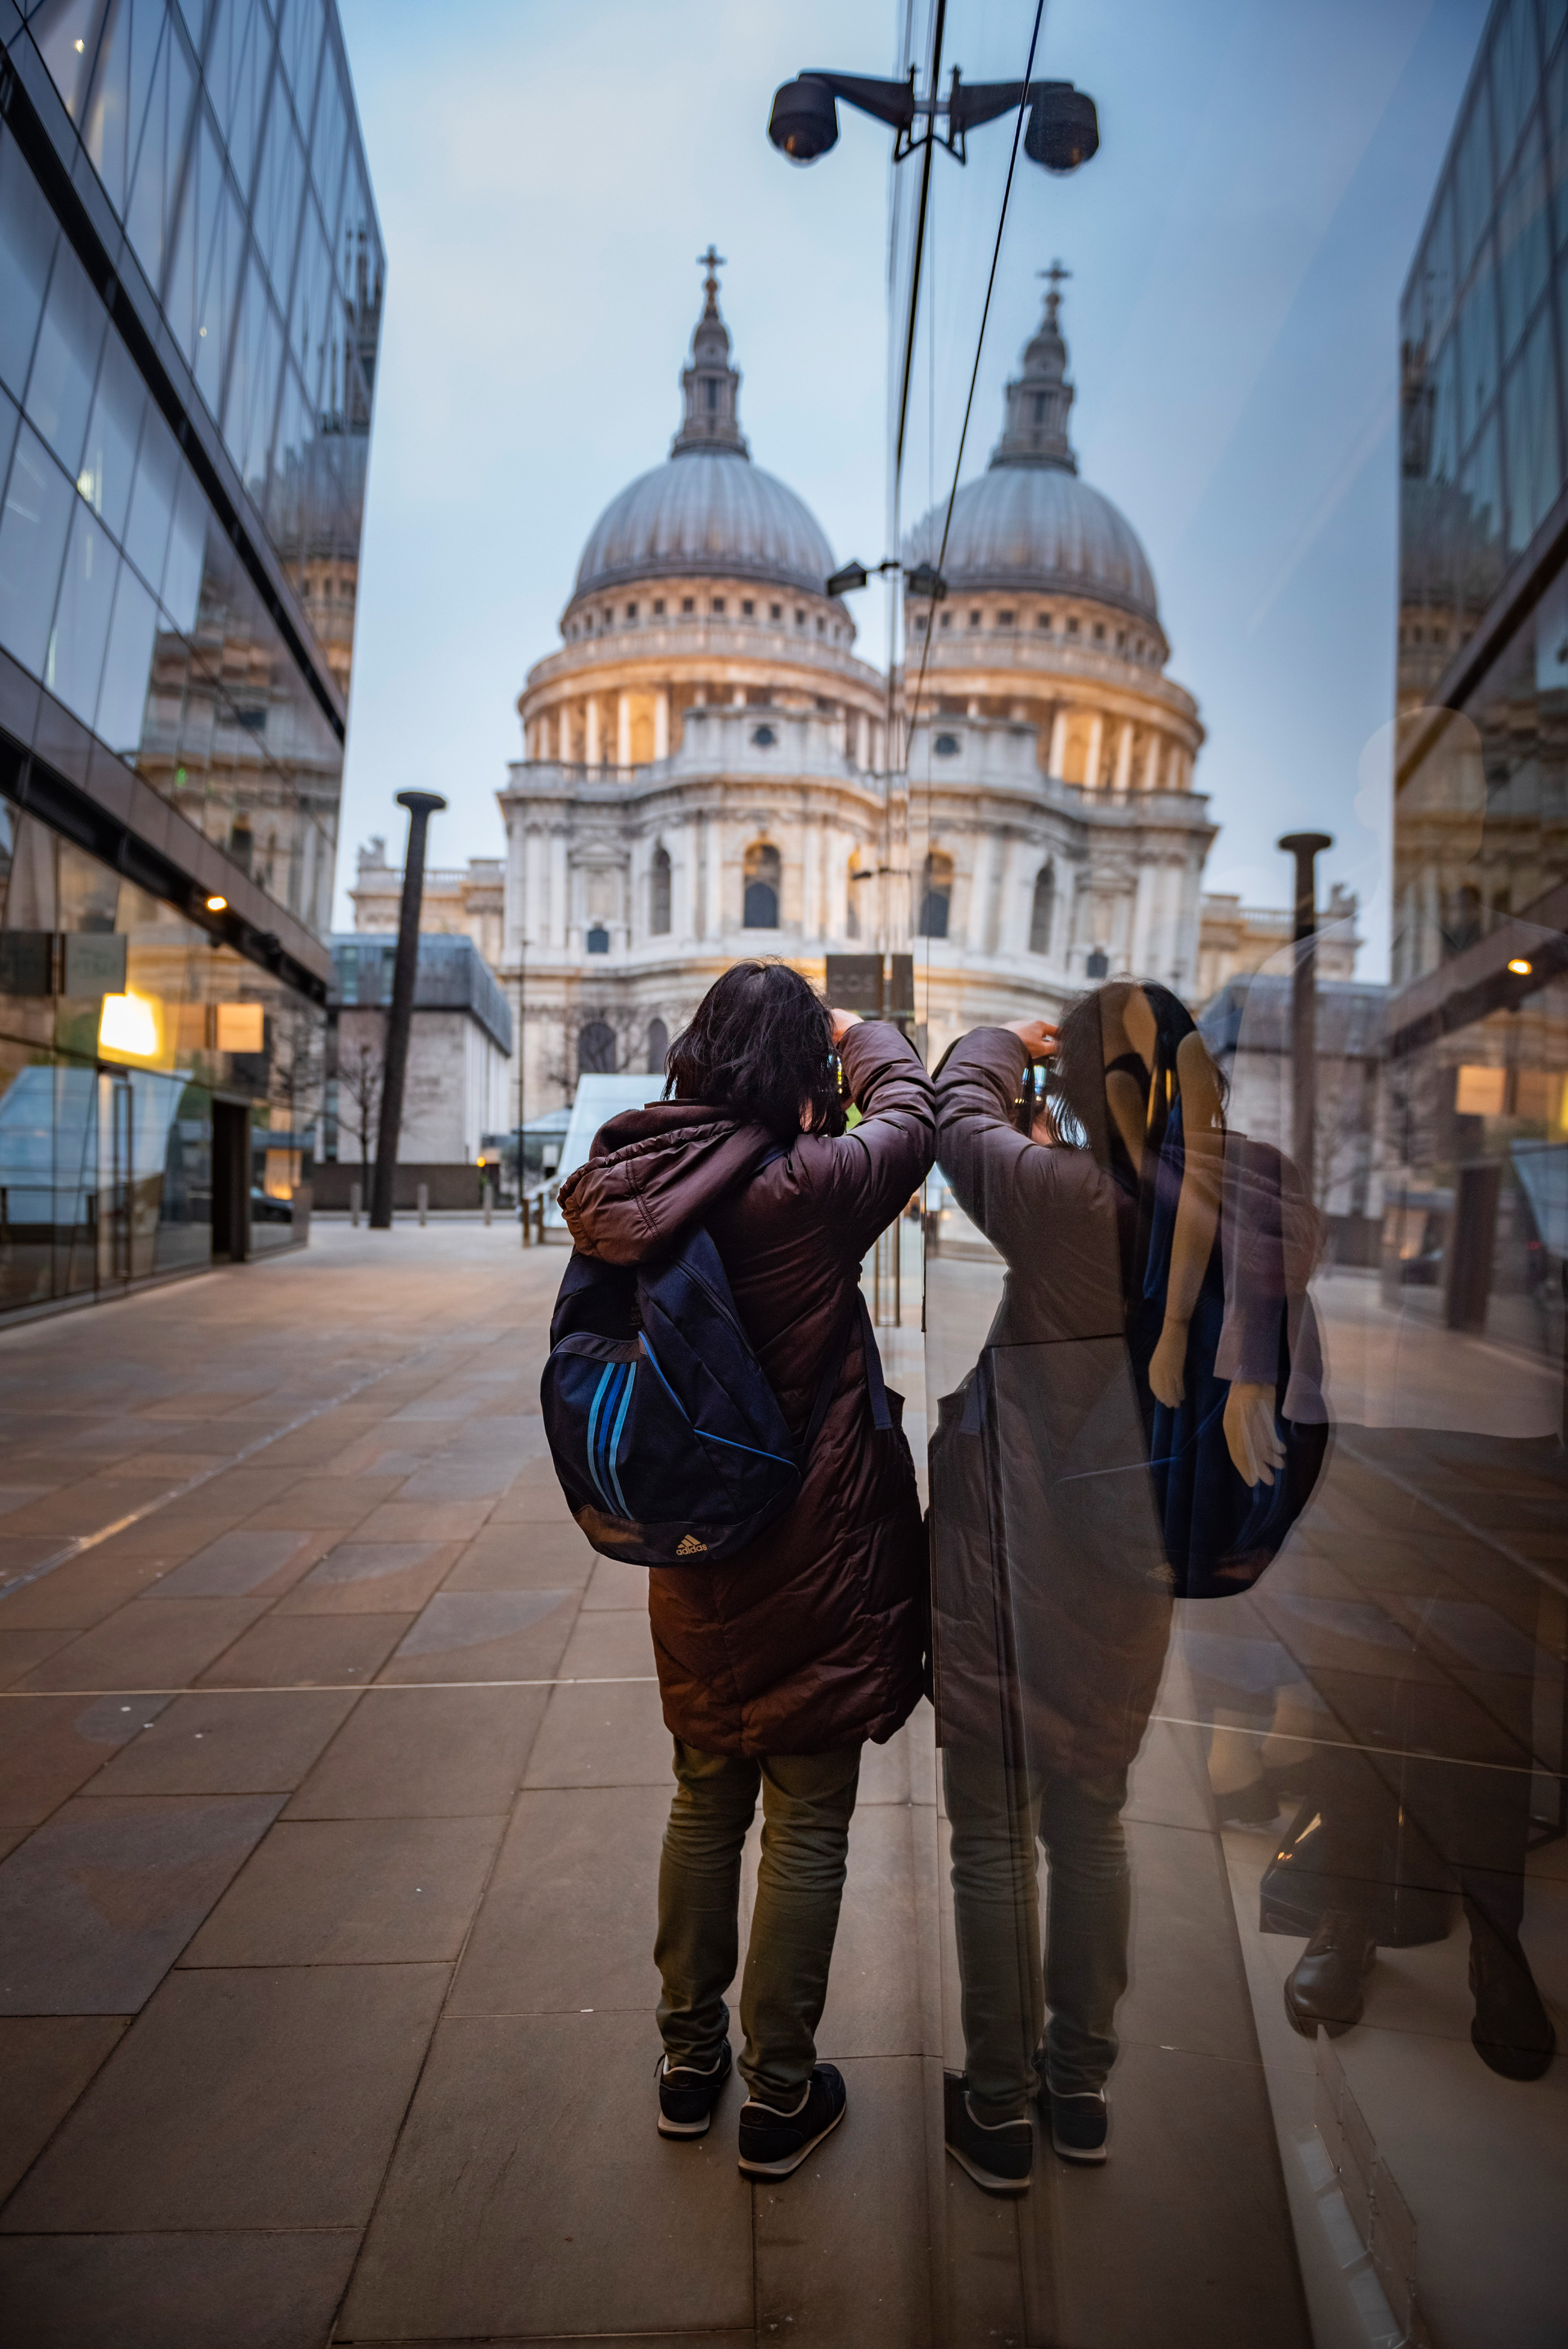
1041	531
708	509
1030	524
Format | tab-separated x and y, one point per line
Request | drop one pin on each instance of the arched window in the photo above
936	896
595	1050
1042	912
658	1047
763	871
659	894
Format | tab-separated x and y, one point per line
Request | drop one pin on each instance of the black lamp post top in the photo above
422	802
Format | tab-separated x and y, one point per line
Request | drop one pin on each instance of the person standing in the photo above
777	1665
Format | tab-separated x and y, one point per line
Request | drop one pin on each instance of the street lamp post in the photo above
1305	847
421	807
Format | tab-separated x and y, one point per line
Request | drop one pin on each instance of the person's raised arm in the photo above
1000	1177
868	1175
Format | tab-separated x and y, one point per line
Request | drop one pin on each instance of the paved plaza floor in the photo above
332	1778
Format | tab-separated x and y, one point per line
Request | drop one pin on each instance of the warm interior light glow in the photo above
1519	967
128	1023
217	904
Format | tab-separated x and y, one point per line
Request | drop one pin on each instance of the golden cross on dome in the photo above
711	261
1057	276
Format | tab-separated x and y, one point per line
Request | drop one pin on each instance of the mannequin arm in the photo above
1251	1436
1197	1215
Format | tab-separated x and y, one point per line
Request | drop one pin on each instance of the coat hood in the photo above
652	1170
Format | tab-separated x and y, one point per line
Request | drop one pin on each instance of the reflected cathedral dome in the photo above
1031	524
708	509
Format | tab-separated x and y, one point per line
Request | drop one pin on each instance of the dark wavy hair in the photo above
761	1044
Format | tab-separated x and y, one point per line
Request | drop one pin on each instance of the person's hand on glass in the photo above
1167	1365
1251	1435
1038	1037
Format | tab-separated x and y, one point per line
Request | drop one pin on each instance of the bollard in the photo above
356	1201
423	1196
487	1198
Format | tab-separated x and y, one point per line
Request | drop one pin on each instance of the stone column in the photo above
737	697
1096	748
714	890
1059	749
662	722
591	747
1124	755
862	740
623	729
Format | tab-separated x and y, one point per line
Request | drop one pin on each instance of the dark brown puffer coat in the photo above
812	1637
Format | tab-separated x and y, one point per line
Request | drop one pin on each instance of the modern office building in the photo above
190	281
1478	1035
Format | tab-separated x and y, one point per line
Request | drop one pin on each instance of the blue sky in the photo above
546	177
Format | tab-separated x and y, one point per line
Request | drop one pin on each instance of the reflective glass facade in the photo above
190	277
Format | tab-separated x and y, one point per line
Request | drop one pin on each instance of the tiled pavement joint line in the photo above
1352	1746
1465	1525
648	1679
355	1688
79	1543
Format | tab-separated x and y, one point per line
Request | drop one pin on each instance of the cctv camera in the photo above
804	122
1062	130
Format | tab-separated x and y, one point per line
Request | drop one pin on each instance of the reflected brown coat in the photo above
1050	1592
812	1637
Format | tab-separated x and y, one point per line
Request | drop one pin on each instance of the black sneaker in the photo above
688	2093
1079	2125
999	2159
773	2143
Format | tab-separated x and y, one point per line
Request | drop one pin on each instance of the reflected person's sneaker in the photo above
998	2156
688	2093
774	2143
1512	2032
1080	2124
1327	1985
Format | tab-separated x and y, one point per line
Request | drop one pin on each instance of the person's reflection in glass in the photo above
1144	1421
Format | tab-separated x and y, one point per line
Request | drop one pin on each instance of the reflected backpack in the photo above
667	1439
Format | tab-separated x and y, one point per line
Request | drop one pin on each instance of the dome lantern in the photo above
1036	429
710	385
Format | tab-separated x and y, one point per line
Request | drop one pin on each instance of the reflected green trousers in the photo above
808	1800
996	1816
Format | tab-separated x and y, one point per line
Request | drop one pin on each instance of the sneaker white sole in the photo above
987	2180
1087	2156
685	2128
792	2162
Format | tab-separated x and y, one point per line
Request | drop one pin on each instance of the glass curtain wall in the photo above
120	1024
1243	1310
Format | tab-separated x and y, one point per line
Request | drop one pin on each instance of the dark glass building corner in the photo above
190	286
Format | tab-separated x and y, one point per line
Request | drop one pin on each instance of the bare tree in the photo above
359	1064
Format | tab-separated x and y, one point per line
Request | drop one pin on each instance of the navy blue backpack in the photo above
667	1439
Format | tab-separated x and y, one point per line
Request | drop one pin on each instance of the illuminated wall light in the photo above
217	904
128	1023
1519	967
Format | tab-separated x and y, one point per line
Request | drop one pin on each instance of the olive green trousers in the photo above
808	1800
